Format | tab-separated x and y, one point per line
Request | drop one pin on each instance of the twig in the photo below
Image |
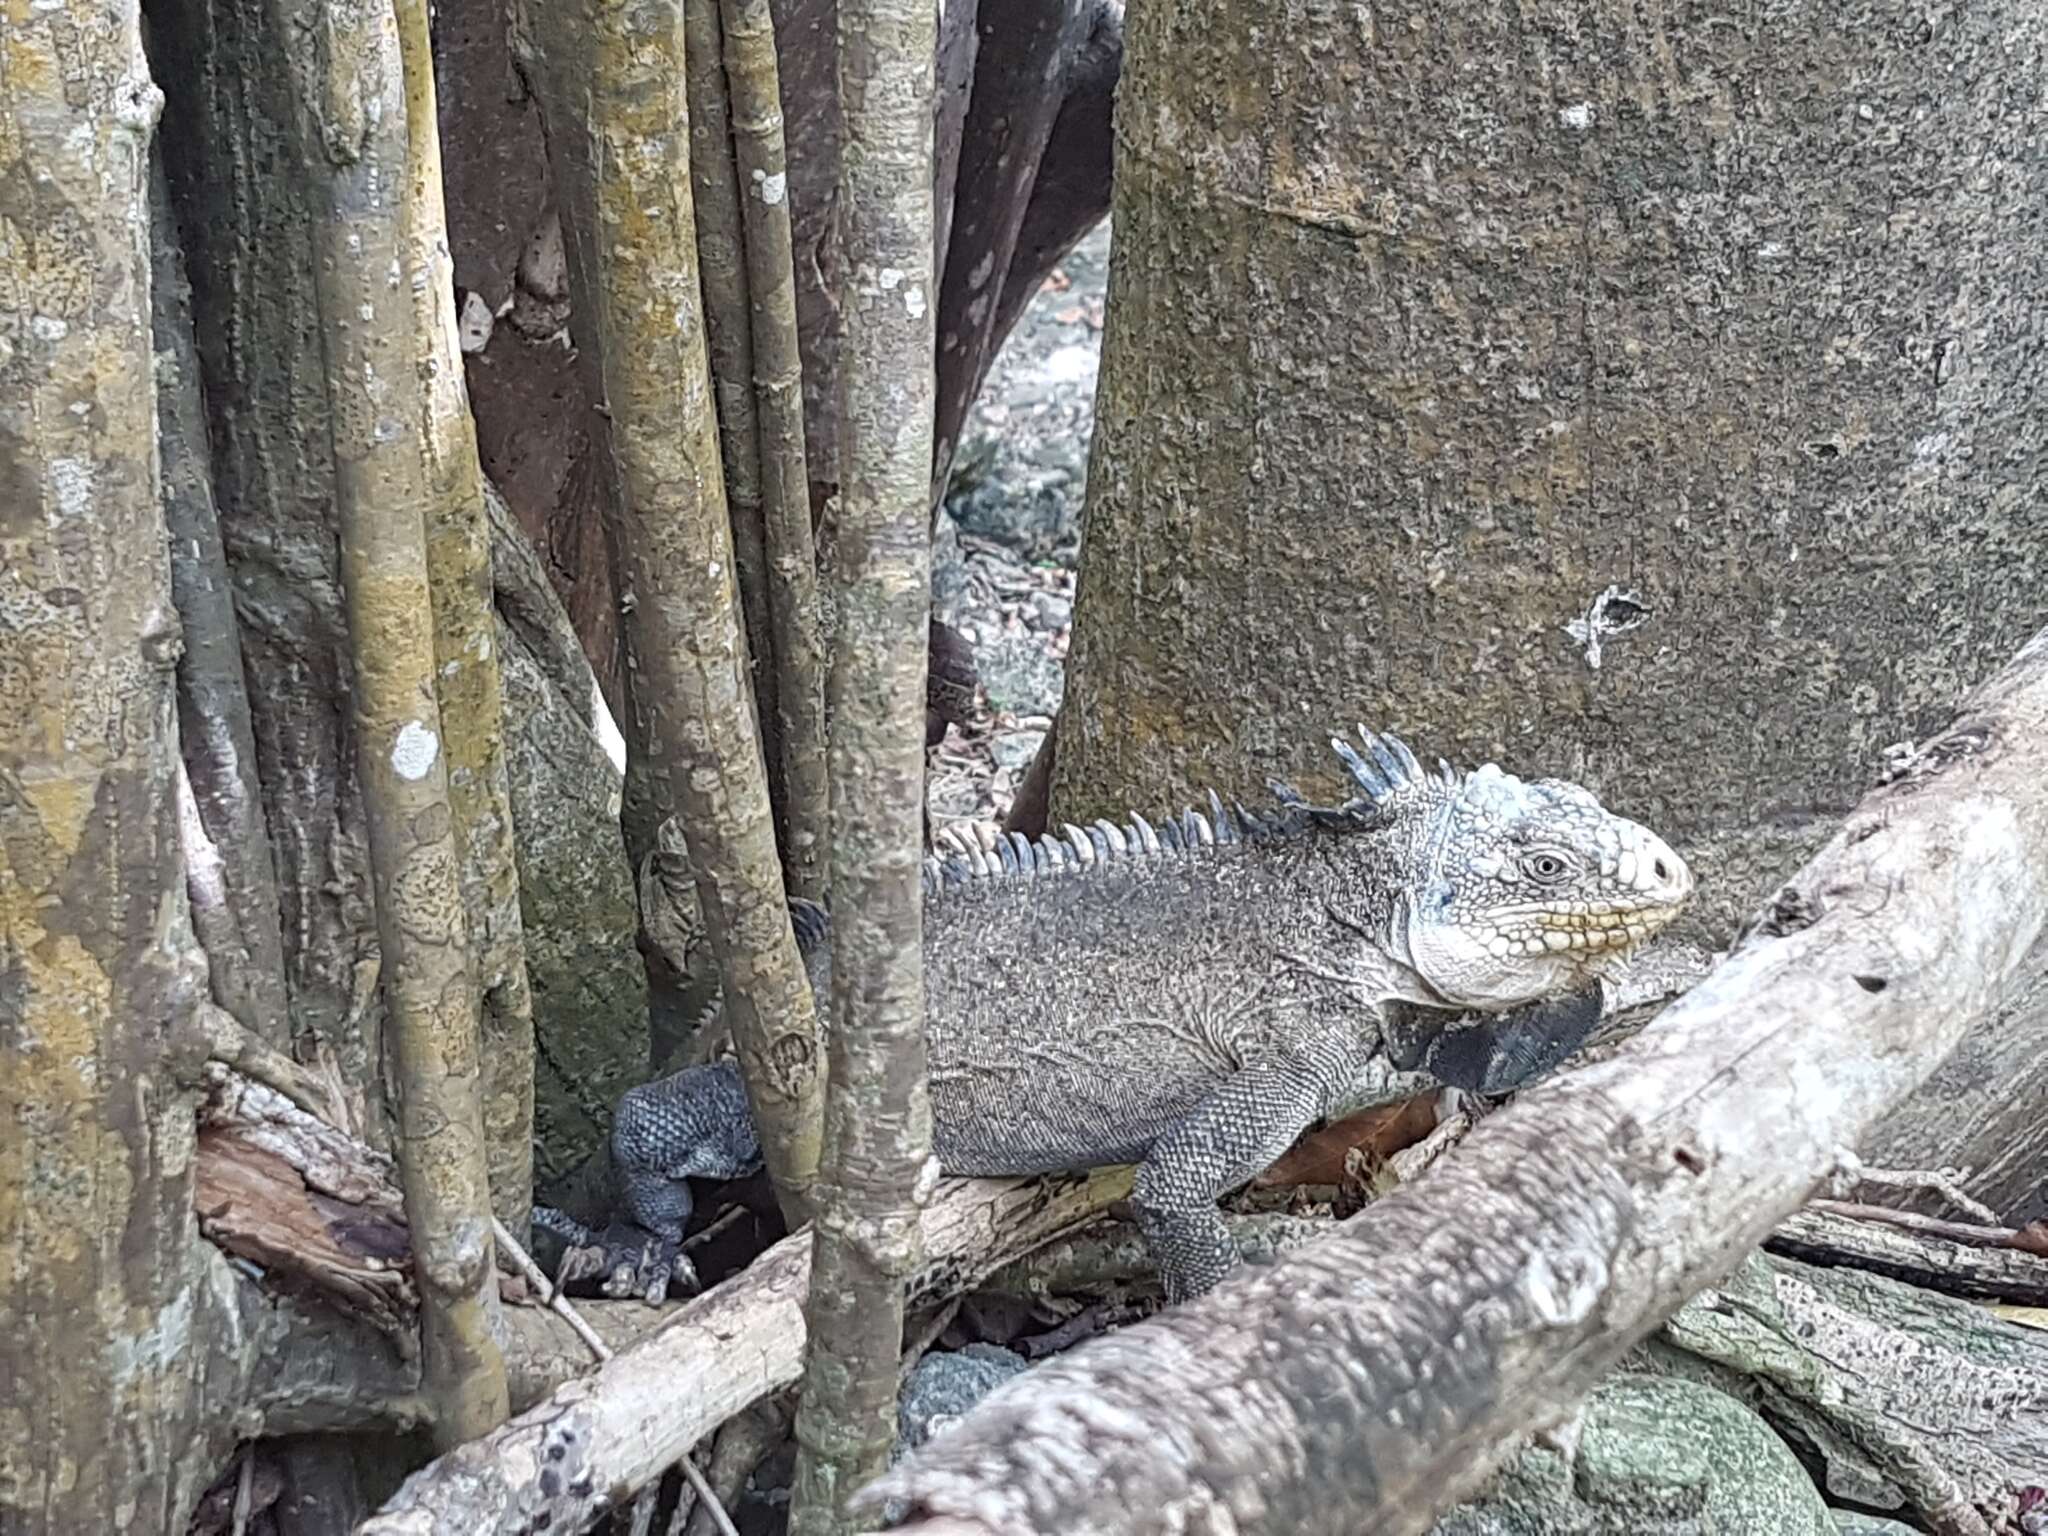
927	1336
1969	1234
245	1491
1946	1182
707	1499
549	1292
725	1218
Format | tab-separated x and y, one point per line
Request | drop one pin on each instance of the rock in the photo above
1656	1457
944	1386
1015	749
1051	612
1850	1523
950	587
580	911
1019	675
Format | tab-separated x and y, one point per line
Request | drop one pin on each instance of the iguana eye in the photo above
1546	867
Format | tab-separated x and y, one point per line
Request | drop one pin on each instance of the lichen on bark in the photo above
108	1325
878	1111
379	247
799	643
466	680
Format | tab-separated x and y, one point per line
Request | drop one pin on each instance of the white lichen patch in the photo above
71	479
891	278
1578	116
413	754
913	301
770	189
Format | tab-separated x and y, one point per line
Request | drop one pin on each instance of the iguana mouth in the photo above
1537	930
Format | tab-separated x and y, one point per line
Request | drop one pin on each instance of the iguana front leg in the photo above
1236	1132
692	1124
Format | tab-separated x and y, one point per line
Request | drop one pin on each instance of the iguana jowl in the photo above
1190	997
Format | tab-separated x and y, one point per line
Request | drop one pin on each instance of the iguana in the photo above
1191	996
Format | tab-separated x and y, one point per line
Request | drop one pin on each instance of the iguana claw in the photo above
632	1261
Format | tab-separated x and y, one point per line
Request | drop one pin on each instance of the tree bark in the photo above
614	74
1428	324
389	403
798	637
878	1111
106	1324
1396	1361
729	338
229	879
467	682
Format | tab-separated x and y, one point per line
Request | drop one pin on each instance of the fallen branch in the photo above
1397	1360
1953	1259
638	1414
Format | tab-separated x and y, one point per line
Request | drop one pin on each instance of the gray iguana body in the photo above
1191	997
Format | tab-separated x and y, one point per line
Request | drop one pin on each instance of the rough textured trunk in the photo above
613	75
729	338
242	189
878	1121
1428	325
1397	1360
389	404
799	643
107	1324
229	879
467	657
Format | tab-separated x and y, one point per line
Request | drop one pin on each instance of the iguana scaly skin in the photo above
1190	997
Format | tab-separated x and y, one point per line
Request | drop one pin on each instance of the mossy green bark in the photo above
108	1324
878	1123
390	405
1428	324
612	83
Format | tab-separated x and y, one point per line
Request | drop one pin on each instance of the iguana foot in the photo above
633	1262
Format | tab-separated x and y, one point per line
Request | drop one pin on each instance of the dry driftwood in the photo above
1980	1268
1398	1359
597	1439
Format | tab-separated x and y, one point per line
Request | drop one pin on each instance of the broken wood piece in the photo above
603	1436
1932	1260
1397	1360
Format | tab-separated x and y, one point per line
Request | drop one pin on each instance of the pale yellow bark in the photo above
390	407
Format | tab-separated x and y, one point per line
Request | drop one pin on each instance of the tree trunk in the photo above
612	72
1428	325
388	400
108	1328
1371	1380
878	1132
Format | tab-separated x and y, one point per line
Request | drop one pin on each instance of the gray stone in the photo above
581	915
1655	1457
1052	612
1018	674
1015	749
1850	1523
944	1386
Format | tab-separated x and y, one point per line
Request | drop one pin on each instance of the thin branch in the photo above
466	679
753	77
615	76
386	399
878	1130
722	272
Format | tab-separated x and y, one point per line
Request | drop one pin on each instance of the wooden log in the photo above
1371	1380
564	1462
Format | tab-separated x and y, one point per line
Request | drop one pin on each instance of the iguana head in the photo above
1524	889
